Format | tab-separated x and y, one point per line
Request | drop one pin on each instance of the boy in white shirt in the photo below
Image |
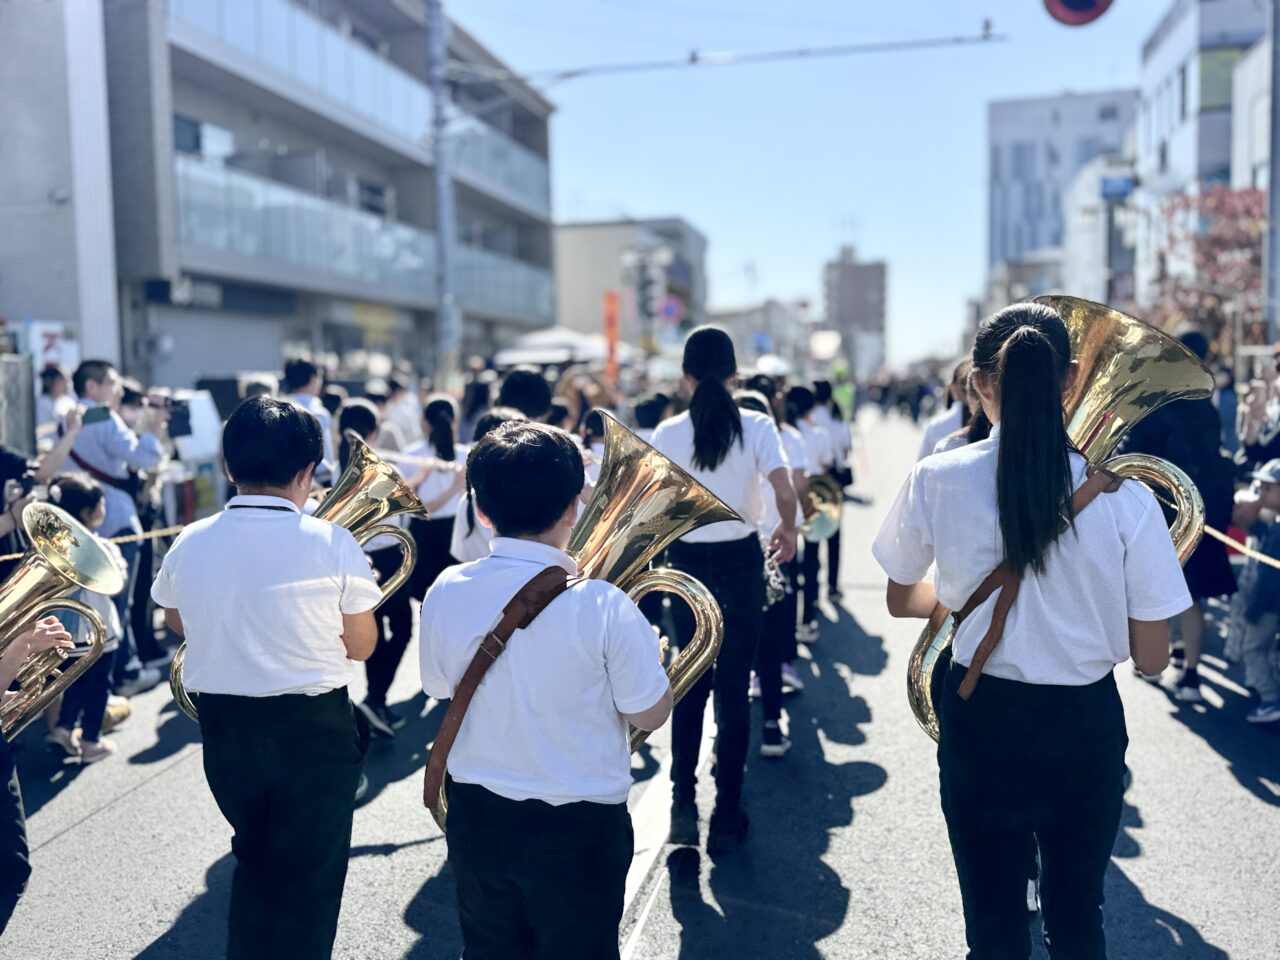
274	606
538	831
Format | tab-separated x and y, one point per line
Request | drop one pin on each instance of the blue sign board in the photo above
1117	188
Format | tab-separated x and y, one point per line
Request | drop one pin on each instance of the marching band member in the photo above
828	417
778	629
274	605
727	451
593	444
471	538
817	454
538	831
1035	750
15	854
302	384
947	421
441	492
395	616
649	412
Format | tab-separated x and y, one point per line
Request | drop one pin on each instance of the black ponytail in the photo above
359	416
709	361
1026	349
440	414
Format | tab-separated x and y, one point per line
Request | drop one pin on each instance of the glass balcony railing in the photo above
501	286
290	41
225	210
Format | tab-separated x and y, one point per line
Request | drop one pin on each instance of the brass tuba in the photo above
369	492
63	557
825	502
1126	369
642	502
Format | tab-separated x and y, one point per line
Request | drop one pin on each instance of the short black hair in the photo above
90	371
75	492
492	419
593	426
649	410
333	396
396	385
267	442
558	413
525	476
297	374
821	391
132	393
526	389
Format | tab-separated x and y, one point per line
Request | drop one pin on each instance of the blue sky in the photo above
778	164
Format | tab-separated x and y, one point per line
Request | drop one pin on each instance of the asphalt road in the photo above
848	856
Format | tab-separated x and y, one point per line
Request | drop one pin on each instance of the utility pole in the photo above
1271	286
448	316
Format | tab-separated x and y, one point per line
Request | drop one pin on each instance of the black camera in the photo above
179	418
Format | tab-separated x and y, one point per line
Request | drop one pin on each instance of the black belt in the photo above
260	506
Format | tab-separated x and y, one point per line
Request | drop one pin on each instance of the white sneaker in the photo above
68	741
1033	898
147	678
92	752
1187	687
773	743
379	726
1264	713
791	681
807	632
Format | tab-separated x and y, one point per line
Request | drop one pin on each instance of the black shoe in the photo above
388	716
377	725
835	594
684	823
728	830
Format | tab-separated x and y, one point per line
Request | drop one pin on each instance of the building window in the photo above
1108	112
1182	93
1024	161
186	134
1162	159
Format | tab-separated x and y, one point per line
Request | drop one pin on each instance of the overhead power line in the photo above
469	74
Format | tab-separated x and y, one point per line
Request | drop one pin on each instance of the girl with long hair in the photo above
395	615
441	492
728	451
1033	734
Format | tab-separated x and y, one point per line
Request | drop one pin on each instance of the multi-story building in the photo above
270	181
1251	119
657	268
1035	149
855	295
770	329
1184	136
1099	232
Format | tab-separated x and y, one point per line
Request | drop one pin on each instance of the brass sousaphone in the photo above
369	492
642	502
63	557
1126	369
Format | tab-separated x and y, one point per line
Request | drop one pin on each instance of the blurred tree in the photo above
1211	267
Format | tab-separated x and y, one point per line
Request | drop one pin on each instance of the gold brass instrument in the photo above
1126	369
641	504
826	500
369	492
63	557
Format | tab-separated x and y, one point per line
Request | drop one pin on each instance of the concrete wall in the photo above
57	256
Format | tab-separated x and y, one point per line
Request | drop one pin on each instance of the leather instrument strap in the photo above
1099	481
529	601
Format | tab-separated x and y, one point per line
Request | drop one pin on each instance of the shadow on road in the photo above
390	761
174	730
776	897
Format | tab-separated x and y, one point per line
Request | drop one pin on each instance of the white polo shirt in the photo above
837	432
938	427
467	545
736	480
1070	624
818	453
438	481
261	590
546	721
793	453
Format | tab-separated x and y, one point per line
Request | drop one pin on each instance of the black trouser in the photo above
15	855
536	881
833	562
395	624
1020	764
734	573
85	702
809	566
777	640
434	538
284	772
